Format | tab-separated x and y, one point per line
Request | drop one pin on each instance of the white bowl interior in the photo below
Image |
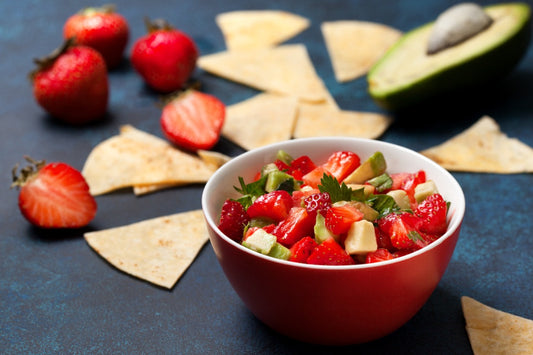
399	159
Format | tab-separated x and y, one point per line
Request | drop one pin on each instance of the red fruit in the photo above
382	239
339	218
274	205
54	195
401	229
71	84
301	166
317	203
340	164
329	252
193	120
381	254
408	182
301	250
100	28
298	196
165	57
233	219
297	225
281	165
432	214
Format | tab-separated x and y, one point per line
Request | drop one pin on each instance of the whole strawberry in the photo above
71	84
53	195
101	28
165	57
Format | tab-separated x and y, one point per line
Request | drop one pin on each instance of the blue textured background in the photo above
58	296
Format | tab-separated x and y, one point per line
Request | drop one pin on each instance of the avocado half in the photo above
406	75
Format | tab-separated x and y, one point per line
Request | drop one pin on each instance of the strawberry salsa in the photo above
338	212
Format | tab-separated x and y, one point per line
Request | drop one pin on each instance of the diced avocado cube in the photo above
278	251
260	241
401	198
424	190
278	180
368	189
284	156
321	232
361	238
268	168
370	214
381	182
374	166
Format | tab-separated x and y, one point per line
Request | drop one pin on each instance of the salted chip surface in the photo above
260	120
250	29
134	157
319	120
483	148
494	332
286	69
355	46
158	250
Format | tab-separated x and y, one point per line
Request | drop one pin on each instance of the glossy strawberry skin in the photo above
102	29
74	88
296	226
329	252
193	120
165	59
274	205
302	249
233	219
338	219
432	214
317	203
340	164
57	196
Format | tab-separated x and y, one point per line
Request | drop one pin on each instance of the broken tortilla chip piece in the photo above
157	250
493	332
263	119
286	69
250	29
483	148
135	157
319	120
355	46
213	159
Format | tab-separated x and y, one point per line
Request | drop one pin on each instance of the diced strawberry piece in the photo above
432	213
301	250
301	166
299	196
317	203
281	165
400	227
408	182
381	254
340	164
339	218
382	239
274	205
297	225
329	252
233	219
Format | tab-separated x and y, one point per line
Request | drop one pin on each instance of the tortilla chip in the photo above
491	331
135	157
213	159
158	250
252	29
483	148
318	120
355	46
263	119
284	70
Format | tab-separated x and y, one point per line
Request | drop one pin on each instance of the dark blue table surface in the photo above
58	296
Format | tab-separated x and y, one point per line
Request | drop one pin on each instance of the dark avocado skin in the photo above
460	79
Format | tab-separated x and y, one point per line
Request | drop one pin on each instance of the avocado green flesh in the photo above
407	74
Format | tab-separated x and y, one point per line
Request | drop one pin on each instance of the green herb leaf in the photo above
414	236
250	191
336	191
382	182
384	204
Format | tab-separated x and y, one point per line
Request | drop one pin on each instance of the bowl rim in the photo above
454	219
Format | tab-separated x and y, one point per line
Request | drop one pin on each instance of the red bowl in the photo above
334	305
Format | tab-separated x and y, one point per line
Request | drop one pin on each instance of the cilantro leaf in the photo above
336	191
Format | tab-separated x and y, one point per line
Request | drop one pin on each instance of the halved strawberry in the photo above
339	164
274	205
54	195
297	225
329	252
381	254
301	250
193	120
432	213
233	219
339	218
